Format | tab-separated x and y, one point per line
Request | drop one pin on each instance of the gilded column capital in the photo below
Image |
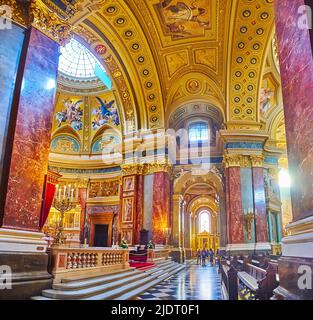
257	161
133	169
232	160
158	167
53	177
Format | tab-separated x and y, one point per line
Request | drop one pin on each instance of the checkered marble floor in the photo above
194	283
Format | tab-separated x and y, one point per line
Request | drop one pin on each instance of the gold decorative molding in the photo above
147	168
49	22
82	183
18	13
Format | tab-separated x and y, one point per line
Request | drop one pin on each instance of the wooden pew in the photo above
255	283
229	279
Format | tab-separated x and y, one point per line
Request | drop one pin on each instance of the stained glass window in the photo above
77	61
198	131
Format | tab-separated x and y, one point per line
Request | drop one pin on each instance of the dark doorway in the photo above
101	235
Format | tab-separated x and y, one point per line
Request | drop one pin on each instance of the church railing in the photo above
158	254
78	262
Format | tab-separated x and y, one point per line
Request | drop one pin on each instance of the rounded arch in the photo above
187	179
194	87
66	130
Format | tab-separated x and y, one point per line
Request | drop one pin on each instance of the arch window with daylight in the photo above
77	62
205	222
198	132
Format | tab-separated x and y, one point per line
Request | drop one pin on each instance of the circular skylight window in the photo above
77	61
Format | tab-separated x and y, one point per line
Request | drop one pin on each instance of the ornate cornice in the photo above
36	13
243	161
145	169
18	13
49	22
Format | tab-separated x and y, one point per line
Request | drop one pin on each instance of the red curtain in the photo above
48	195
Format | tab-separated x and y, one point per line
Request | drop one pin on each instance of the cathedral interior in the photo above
142	138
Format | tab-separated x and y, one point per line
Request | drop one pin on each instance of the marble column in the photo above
176	252
235	234
27	168
160	206
261	229
296	65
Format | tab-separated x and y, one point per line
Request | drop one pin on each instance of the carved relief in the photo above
104	189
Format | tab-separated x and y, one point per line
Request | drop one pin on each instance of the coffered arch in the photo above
253	25
116	22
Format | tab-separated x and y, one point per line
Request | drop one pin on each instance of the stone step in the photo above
138	291
127	285
90	282
94	276
120	291
98	288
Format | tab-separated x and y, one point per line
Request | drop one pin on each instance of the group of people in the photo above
204	254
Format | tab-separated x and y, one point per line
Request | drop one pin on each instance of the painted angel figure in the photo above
266	95
103	113
72	114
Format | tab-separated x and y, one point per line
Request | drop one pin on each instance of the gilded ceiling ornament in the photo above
49	22
17	12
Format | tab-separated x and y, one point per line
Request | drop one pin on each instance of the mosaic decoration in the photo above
72	114
105	113
65	144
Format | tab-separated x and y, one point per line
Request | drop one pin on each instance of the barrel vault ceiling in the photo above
164	53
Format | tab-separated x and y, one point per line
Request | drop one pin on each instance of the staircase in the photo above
118	285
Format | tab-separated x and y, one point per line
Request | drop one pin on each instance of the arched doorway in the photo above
199	212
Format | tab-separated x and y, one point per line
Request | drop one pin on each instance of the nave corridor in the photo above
196	282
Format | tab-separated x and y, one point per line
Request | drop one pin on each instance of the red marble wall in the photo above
234	206
296	64
31	143
160	206
260	205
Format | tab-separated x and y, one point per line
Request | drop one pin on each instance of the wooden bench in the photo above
229	279
255	283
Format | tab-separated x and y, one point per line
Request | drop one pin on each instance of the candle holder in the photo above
63	202
248	219
167	233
